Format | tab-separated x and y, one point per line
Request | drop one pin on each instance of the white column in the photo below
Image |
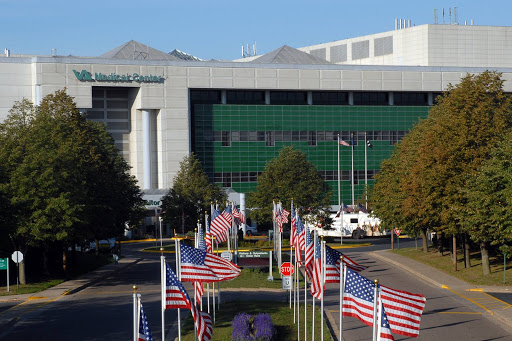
39	95
242	211
146	148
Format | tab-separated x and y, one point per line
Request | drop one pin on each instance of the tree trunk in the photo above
23	279
484	250
440	242
46	270
467	252
425	241
96	246
454	252
392	239
65	261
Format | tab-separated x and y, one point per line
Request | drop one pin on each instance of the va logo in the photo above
84	75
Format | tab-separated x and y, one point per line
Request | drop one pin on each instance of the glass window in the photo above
288	97
371	98
410	98
226	139
269	139
312	138
245	97
330	98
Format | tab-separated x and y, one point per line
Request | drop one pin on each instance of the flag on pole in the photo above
201	245
198	291
293	226
403	310
174	298
284	215
237	215
332	265
299	239
309	254
202	320
197	265
219	226
144	332
208	240
316	282
228	214
358	298
343	143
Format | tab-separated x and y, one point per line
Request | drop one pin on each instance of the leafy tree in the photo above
489	202
190	195
289	176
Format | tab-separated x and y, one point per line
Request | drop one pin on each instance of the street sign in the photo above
17	257
3	263
287	282
227	255
286	269
253	254
397	232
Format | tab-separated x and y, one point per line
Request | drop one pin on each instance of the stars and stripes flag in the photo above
358	298
198	286
174	298
343	143
219	226
332	265
316	282
309	254
300	242
293	226
237	215
279	217
403	310
228	214
197	265
202	320
201	243
208	239
144	332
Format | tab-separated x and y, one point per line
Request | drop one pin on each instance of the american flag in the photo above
198	292
228	214
284	215
316	285
293	227
208	240
202	320
332	265
299	239
358	298
237	215
144	332
219	226
403	310
309	254
201	243
198	286
343	143
197	265
174	298
279	217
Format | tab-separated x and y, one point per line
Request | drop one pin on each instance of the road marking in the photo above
467	298
37	297
460	312
485	302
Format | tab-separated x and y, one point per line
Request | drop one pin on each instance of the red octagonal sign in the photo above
287	269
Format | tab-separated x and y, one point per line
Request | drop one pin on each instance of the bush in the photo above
253	328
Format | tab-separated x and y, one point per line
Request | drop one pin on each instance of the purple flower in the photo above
263	328
241	327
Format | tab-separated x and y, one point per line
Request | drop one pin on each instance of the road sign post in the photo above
397	232
17	257
4	265
287	282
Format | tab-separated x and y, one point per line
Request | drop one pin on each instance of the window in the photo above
312	138
288	98
245	97
330	98
371	98
226	139
205	96
269	139
410	98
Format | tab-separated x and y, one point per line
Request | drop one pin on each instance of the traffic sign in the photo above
287	282
286	269
3	263
17	257
227	255
397	232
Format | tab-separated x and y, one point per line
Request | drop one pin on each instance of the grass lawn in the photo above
281	314
472	275
84	262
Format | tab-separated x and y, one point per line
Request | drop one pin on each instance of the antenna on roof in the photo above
254	49
455	21
435	16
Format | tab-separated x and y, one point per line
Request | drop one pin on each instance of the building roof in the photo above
134	50
184	56
288	55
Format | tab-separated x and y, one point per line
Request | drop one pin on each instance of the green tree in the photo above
190	195
289	176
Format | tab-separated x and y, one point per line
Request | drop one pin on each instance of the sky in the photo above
217	29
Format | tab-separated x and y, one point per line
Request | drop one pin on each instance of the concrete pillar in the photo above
391	99
223	97
39	94
267	97
350	98
242	210
146	148
310	97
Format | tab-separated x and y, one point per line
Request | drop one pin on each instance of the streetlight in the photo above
366	146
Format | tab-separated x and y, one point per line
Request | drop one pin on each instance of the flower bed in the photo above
253	328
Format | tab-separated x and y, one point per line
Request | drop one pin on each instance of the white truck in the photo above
355	225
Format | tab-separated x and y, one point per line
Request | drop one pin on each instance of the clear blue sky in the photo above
215	29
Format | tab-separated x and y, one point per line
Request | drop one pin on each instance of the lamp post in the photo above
366	146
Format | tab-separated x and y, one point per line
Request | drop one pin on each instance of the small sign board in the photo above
3	263
253	254
397	232
17	257
287	269
227	255
287	282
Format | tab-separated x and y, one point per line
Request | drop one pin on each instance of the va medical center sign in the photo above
86	76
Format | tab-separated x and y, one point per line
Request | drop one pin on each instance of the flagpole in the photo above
379	316
365	171
218	284
298	303
135	322
339	172
342	275
177	250
313	320
305	305
353	180
375	310
322	289
163	290
207	284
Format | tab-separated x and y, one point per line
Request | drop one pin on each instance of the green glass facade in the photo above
234	142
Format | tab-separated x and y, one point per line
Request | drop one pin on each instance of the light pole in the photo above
366	146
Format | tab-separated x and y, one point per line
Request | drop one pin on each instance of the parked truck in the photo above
356	225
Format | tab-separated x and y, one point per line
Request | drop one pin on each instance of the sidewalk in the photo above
27	303
473	296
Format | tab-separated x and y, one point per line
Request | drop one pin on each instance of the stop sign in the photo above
286	269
